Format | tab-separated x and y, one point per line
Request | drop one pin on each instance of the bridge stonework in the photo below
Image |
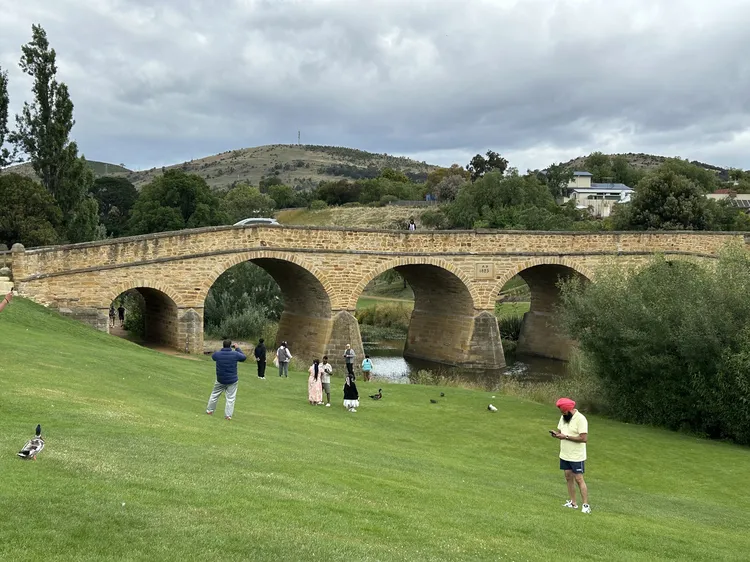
456	277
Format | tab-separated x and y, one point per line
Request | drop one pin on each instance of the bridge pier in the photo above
344	330
541	336
306	335
453	339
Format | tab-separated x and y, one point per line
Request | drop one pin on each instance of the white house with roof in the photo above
598	198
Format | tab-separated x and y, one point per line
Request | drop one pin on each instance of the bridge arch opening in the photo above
431	306
538	333
273	298
147	314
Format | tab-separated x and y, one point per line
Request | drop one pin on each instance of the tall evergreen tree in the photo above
43	134
5	155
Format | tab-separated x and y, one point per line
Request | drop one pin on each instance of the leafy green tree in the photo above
447	189
43	131
669	344
735	174
266	183
623	172
6	157
338	192
376	189
557	178
244	202
665	200
438	175
116	197
479	165
174	201
282	195
394	175
513	202
28	213
600	166
706	180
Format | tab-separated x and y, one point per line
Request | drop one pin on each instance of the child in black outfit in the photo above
351	396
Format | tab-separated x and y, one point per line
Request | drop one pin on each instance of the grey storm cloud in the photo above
158	82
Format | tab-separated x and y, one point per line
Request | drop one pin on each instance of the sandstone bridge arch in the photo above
541	334
322	272
447	324
307	319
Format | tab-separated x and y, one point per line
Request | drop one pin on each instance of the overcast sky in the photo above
162	81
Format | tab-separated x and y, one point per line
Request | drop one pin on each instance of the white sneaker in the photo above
585	508
570	504
328	405
353	410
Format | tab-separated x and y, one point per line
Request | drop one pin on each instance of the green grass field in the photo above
134	469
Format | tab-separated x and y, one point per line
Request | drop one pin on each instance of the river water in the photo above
390	366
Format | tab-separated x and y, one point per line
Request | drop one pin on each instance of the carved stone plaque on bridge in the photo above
484	271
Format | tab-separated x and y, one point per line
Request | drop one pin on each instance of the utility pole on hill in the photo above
298	136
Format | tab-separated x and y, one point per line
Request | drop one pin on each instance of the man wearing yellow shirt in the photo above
573	431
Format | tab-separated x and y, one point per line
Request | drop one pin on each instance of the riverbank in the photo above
131	465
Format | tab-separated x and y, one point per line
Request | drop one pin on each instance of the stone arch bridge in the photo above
456	277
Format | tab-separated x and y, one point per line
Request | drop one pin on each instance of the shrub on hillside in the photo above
670	343
318	205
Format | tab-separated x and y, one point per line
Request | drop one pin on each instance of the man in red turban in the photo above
572	431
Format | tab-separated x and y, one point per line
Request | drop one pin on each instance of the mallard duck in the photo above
34	446
433	401
377	396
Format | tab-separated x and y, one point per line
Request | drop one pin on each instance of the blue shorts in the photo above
576	467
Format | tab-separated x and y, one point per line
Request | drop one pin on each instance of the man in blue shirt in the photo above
226	377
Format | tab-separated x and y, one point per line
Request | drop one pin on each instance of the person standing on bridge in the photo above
226	377
573	431
260	358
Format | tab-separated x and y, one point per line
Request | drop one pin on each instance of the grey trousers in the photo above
284	369
231	394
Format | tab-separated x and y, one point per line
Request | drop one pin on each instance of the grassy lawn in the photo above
135	470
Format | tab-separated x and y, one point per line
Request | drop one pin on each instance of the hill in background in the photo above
648	162
300	166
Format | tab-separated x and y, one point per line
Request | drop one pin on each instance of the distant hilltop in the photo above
648	162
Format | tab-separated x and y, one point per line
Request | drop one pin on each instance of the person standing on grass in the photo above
283	356
121	313
351	395
6	300
327	370
573	431
260	358
315	384
412	226
349	358
366	368
226	377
